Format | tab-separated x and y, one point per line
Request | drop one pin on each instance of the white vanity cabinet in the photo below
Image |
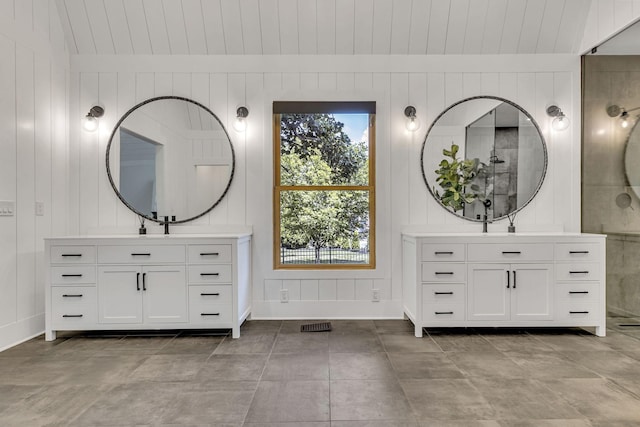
514	280
142	294
147	282
510	292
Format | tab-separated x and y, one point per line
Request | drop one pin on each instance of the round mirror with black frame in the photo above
170	156
484	155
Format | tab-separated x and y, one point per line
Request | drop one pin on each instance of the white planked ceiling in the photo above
301	27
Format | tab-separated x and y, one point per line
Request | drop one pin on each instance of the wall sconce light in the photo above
560	121
90	121
622	114
412	123
240	123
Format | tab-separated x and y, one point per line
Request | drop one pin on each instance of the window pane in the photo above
324	149
324	227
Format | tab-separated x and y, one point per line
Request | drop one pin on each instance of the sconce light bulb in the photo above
413	123
624	119
560	122
240	123
89	123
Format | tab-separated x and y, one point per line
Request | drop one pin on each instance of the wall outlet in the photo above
7	207
284	295
375	295
39	208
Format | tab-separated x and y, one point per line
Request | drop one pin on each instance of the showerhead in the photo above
494	159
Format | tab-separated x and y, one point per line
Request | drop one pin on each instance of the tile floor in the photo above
363	373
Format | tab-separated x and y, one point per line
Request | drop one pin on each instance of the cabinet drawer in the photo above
577	252
73	274
443	272
578	311
72	254
72	296
77	318
510	252
213	273
578	271
210	314
73	307
140	254
444	312
585	292
443	252
209	254
445	293
212	294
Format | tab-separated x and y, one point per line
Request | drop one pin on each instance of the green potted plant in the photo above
454	176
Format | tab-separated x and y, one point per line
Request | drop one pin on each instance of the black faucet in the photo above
166	224
486	203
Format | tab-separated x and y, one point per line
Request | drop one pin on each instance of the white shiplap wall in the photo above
34	72
430	83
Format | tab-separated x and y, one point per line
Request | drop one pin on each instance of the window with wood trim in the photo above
324	185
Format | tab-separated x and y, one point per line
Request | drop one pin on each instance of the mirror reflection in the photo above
484	155
170	156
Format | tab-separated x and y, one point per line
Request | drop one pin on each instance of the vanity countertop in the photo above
143	237
501	235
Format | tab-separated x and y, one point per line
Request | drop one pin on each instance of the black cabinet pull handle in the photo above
443	253
443	293
209	314
72	295
444	312
578	312
578	292
137	281
144	281
65	255
514	279
209	253
215	294
72	315
578	272
141	254
72	275
511	252
578	252
444	272
508	280
209	274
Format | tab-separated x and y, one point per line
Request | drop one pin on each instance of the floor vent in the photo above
316	327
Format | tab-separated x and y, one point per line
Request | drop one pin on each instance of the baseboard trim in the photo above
275	310
21	331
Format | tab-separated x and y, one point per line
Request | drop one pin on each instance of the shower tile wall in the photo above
611	80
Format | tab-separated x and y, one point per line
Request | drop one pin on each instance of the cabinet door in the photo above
165	294
488	297
531	292
119	294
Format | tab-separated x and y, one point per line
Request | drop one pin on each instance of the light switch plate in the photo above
7	208
39	208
